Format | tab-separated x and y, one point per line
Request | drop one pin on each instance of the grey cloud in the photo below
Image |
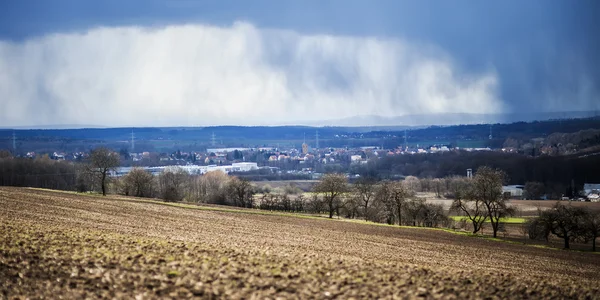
206	75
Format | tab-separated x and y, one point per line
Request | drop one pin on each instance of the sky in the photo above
282	62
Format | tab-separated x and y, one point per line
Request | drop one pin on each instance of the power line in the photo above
14	140
132	141
317	140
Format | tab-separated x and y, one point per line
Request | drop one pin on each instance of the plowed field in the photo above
55	244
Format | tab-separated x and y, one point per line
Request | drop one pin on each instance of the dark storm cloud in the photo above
543	53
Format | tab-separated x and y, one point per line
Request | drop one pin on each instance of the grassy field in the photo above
55	244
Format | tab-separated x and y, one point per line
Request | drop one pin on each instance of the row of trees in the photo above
175	184
570	223
479	199
555	173
383	202
41	172
391	202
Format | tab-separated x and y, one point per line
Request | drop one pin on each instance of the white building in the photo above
245	166
192	169
592	191
515	191
355	158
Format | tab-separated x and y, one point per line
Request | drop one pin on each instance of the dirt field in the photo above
58	244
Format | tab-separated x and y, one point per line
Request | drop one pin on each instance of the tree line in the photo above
41	172
558	174
479	199
567	222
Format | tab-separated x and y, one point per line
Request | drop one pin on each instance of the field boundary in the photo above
510	220
303	216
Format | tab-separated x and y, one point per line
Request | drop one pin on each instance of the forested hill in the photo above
249	136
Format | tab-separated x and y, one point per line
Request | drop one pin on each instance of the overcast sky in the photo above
183	62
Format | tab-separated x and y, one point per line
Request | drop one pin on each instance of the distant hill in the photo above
194	138
453	119
376	122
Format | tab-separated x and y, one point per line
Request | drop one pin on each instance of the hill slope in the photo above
54	243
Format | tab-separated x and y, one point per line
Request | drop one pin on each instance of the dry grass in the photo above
533	205
59	244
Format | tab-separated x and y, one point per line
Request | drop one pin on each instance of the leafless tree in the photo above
298	203
487	186
564	221
331	186
365	190
382	200
536	229
456	185
392	195
102	161
211	188
138	182
241	192
472	207
438	186
591	226
399	194
413	210
413	183
172	183
351	205
425	184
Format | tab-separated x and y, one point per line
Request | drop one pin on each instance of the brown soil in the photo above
55	244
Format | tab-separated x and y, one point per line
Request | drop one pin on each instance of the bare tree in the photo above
365	190
472	207
392	195
102	161
241	191
211	187
564	221
171	184
399	193
456	185
351	206
591	226
413	210
315	204
383	196
298	203
433	215
487	186
332	186
139	183
413	183
438	186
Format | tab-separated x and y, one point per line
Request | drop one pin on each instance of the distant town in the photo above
557	155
